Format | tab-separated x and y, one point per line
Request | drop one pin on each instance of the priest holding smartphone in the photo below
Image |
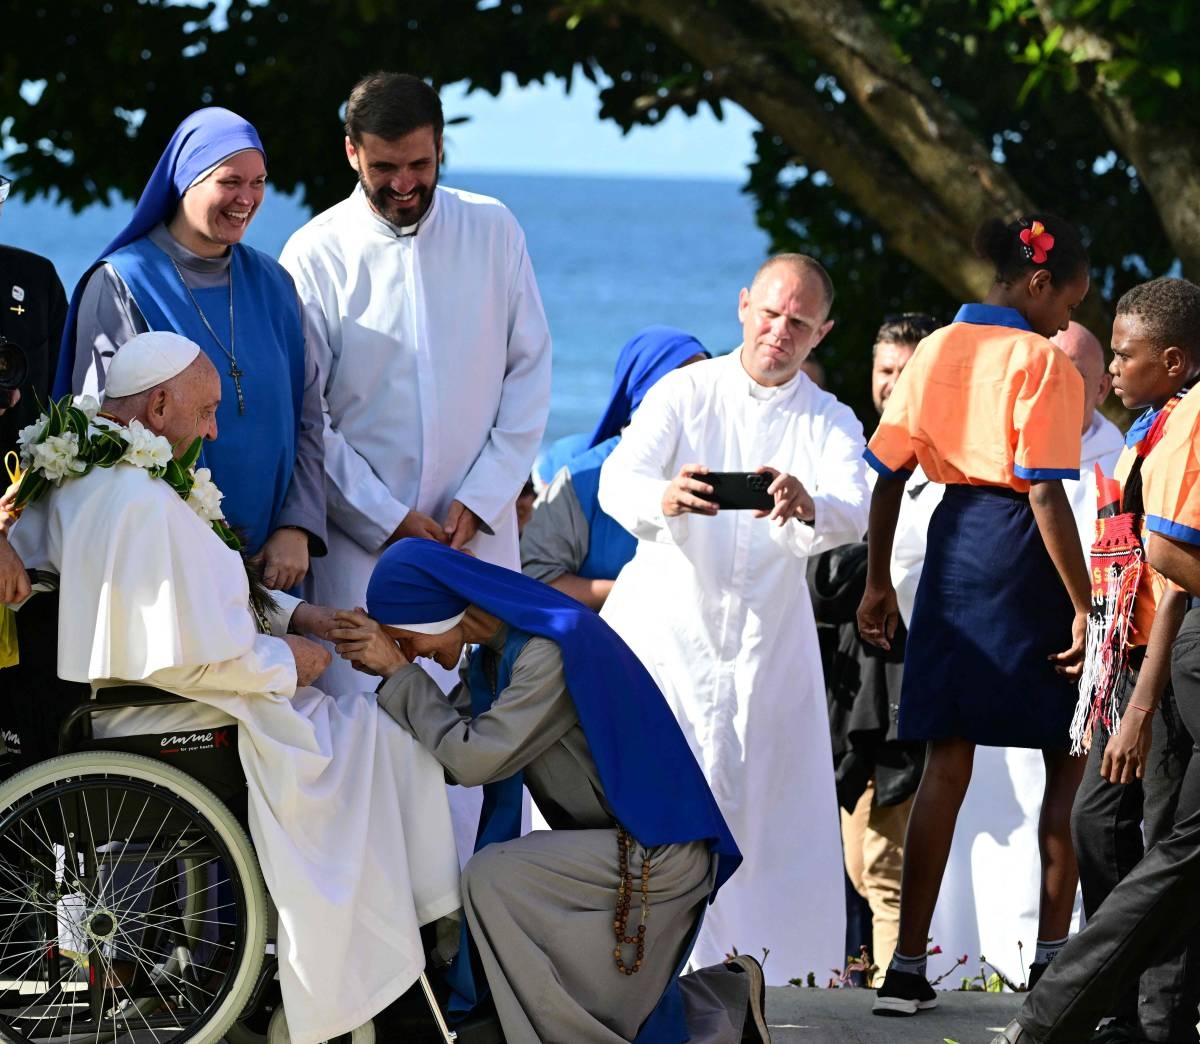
716	606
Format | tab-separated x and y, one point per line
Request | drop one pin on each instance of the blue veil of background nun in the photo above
644	360
651	780
201	141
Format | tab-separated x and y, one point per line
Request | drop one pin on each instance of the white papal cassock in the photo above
718	609
347	813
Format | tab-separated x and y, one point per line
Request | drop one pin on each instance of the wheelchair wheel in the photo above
132	908
278	1033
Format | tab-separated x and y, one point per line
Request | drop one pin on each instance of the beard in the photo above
383	201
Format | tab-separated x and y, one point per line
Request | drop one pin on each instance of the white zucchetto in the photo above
147	360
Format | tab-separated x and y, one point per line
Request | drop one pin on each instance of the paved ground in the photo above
796	1016
804	1016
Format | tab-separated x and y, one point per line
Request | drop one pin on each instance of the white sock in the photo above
1047	950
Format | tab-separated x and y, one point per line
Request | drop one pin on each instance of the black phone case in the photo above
739	490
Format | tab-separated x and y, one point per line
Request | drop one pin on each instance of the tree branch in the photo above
926	133
915	223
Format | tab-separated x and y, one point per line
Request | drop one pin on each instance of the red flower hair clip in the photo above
1037	242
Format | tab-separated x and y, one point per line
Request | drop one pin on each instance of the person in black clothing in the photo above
33	308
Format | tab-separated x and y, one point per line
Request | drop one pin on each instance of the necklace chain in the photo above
231	352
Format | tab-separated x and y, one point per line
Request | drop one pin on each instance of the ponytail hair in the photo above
1031	243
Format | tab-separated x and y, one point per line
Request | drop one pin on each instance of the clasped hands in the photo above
356	637
458	530
683	495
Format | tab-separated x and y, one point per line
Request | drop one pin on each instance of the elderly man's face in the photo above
888	363
189	408
783	317
398	176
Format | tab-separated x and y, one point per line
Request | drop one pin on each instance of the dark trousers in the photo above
1153	911
1107	831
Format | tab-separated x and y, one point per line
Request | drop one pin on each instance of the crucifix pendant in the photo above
237	376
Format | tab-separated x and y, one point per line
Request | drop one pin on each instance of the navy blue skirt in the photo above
990	609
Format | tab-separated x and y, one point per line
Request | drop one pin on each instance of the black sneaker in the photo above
755	1029
1115	1032
904	993
1036	970
1014	1033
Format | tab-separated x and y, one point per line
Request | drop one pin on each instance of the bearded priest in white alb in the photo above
435	358
348	814
716	605
434	349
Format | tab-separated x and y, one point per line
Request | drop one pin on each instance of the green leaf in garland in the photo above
227	535
188	460
106	447
33	485
53	421
178	479
78	423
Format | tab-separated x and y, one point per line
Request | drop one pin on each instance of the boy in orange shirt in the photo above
1144	925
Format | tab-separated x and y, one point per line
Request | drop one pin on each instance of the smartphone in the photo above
739	490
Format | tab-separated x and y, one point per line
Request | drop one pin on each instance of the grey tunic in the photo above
109	316
541	907
556	540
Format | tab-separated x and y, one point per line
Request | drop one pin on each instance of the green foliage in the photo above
95	89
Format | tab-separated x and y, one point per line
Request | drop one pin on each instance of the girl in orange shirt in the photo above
988	406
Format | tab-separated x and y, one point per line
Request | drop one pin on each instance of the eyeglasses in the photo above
5	185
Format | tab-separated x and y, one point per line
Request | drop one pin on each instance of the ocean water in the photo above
612	255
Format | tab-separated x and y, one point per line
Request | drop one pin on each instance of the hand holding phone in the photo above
740	491
686	492
789	498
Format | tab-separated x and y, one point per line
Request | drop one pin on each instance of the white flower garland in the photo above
68	440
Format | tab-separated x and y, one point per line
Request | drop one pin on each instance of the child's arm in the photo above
1127	751
878	613
1052	511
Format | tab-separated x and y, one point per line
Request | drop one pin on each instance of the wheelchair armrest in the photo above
117	697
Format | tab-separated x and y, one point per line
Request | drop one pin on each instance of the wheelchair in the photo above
132	906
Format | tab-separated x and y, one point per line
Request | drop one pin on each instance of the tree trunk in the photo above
908	113
916	223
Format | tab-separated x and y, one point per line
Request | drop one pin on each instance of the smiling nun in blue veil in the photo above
570	543
551	698
180	265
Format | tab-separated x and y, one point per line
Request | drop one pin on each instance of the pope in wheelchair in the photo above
347	812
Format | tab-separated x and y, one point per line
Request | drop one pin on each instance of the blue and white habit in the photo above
555	699
269	460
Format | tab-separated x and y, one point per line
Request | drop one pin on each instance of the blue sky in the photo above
543	129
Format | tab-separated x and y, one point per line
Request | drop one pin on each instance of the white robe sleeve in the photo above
281	619
266	668
637	473
356	498
504	463
840	493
